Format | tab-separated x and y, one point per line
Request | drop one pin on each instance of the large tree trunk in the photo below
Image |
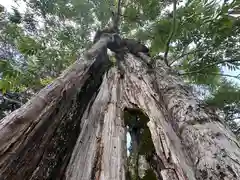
74	128
190	141
37	140
100	149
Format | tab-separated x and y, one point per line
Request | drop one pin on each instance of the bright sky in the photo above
9	3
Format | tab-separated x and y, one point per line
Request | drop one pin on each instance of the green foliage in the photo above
161	29
28	46
199	73
227	99
227	93
66	26
9	75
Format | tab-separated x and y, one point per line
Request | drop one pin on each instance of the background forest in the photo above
200	39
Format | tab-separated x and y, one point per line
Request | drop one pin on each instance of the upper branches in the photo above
116	17
171	33
211	65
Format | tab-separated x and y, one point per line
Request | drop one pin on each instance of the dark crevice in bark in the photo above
96	170
155	163
161	103
141	144
48	147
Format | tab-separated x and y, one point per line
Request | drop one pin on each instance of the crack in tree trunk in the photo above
96	170
68	118
44	147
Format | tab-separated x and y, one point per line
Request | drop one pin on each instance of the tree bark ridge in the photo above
36	140
189	141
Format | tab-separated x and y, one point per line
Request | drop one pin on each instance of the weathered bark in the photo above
174	159
37	140
191	142
73	117
99	152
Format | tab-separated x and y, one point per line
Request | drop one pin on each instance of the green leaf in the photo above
4	86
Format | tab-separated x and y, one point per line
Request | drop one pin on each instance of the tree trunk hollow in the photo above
84	121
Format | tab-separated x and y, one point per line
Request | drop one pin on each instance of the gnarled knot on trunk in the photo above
118	44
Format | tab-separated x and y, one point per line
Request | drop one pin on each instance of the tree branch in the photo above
210	65
116	16
137	20
172	32
227	75
98	46
12	100
187	53
118	11
219	74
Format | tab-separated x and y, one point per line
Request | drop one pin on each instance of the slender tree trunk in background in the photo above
74	129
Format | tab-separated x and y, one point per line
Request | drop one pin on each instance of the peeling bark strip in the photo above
36	141
99	151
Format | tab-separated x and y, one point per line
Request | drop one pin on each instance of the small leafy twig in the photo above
12	100
134	20
210	65
188	53
197	49
172	33
218	74
227	75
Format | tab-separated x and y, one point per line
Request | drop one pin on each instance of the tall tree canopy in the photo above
171	97
197	38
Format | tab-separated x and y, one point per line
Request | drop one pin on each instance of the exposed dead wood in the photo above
99	151
36	141
99	45
75	119
202	157
191	143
